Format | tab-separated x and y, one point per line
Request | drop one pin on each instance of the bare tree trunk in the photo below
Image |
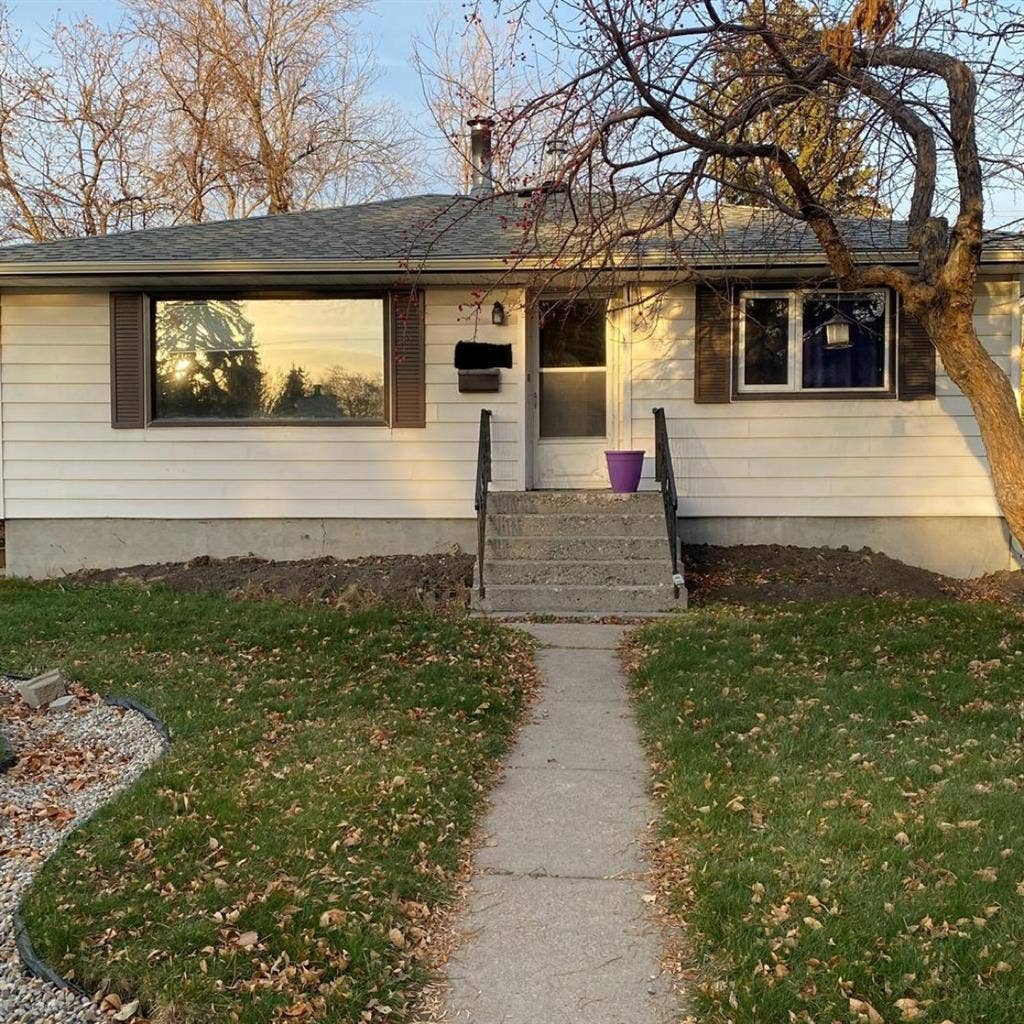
988	389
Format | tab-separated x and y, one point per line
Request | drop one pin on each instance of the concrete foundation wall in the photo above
43	548
963	546
46	548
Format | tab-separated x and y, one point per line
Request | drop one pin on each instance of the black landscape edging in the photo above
148	713
22	940
32	964
7	755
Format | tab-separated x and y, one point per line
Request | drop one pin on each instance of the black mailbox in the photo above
479	364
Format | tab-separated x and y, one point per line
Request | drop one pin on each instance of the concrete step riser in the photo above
571	549
580	574
531	502
603	524
553	600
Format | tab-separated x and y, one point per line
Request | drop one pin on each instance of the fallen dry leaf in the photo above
127	1011
866	1011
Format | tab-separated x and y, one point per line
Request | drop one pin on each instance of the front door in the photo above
570	394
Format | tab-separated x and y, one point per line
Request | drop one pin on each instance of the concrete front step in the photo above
530	502
580	574
577	524
592	548
577	553
554	600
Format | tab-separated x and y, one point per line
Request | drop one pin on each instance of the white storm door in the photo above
570	421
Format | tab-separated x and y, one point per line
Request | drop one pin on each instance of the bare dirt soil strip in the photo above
423	579
777	574
745	574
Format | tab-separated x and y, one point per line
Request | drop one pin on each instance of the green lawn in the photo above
287	858
844	787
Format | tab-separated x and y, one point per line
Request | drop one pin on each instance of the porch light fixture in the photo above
498	317
837	333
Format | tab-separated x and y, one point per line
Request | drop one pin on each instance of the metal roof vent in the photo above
555	152
553	165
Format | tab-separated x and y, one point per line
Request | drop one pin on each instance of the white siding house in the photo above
908	477
64	461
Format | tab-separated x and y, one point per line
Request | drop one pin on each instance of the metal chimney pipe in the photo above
481	178
555	151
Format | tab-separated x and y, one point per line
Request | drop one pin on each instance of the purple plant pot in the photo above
624	470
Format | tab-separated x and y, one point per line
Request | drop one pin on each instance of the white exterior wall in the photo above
2	504
872	457
62	459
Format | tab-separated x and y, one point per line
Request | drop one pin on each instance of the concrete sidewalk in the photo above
556	931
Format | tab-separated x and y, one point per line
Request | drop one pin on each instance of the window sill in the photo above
816	395
164	423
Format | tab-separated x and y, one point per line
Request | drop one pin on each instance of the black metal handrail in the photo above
666	476
483	480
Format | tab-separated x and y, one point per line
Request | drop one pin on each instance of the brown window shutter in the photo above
129	332
713	376
916	363
408	359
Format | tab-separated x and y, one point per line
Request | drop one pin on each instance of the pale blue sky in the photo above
390	23
391	26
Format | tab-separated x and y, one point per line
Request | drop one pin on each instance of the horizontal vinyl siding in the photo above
3	502
59	456
816	457
62	459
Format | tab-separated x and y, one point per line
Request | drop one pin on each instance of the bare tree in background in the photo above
76	156
192	110
200	122
937	92
293	121
473	66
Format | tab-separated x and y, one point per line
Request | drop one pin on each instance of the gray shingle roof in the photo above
391	229
429	227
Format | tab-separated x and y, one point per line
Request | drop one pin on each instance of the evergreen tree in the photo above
207	363
294	391
828	147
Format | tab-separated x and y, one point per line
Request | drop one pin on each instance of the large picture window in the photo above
814	341
269	359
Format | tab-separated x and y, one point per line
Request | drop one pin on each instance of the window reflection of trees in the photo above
206	360
208	366
766	345
864	310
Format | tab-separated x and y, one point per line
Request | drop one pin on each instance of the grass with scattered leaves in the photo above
843	795
289	857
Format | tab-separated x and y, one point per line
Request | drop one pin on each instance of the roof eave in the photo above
748	260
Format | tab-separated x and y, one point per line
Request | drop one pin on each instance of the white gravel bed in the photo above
70	763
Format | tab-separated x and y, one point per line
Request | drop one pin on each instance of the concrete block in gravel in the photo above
42	689
62	703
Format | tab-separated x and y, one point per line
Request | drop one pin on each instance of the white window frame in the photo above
794	376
